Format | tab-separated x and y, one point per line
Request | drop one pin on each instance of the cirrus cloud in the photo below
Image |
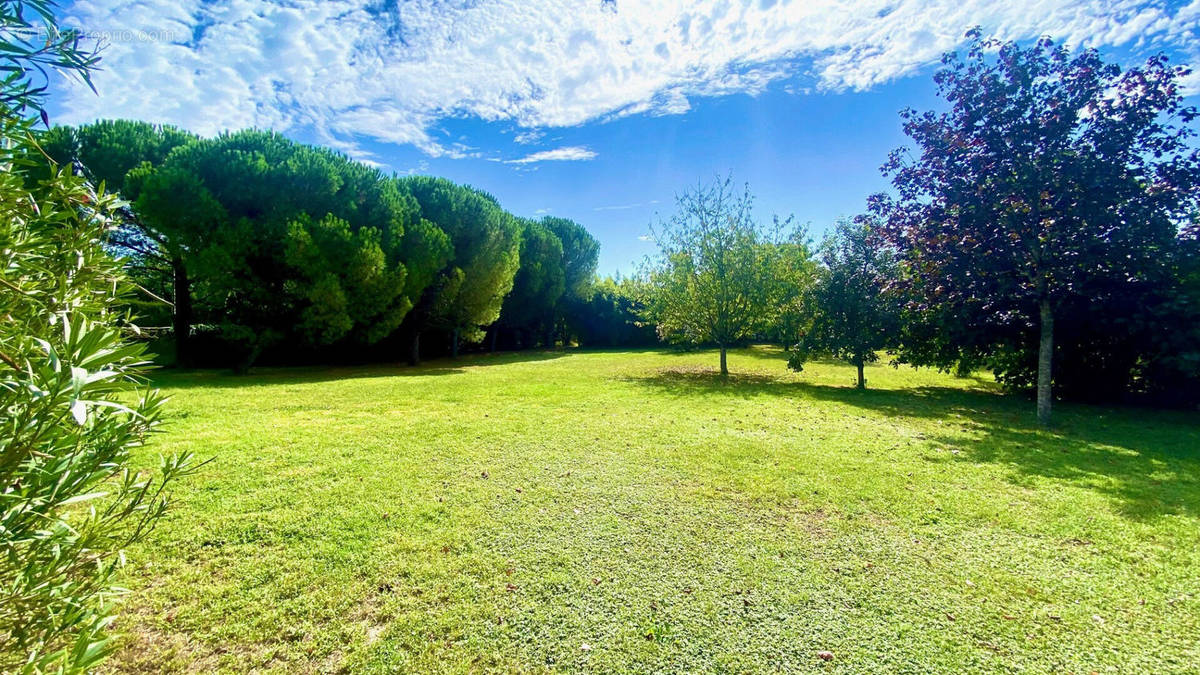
349	71
572	153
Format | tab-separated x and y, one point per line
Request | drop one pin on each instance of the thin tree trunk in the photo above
724	365
454	345
1045	371
414	356
495	332
858	361
181	315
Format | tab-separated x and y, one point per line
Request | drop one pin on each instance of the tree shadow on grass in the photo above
277	375
1147	460
703	380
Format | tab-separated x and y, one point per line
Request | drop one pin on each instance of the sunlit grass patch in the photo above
503	512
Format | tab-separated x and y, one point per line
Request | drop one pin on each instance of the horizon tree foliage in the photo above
1051	190
713	281
852	315
581	253
794	273
467	293
73	403
109	152
529	308
610	314
288	243
192	234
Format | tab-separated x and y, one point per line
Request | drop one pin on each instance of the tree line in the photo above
1045	227
264	247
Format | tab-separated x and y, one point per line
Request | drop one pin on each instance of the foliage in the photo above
581	253
468	292
32	47
73	403
794	270
853	316
537	287
286	247
714	279
1165	334
1042	208
610	315
107	150
287	244
110	152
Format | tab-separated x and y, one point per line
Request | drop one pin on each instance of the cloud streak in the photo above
573	153
351	71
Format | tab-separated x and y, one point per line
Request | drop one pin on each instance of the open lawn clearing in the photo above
617	511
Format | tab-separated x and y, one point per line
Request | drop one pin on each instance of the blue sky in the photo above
598	111
816	157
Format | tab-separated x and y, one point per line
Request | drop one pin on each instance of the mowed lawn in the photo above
630	511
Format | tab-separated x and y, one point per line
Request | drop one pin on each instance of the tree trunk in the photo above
181	315
454	344
858	361
414	356
724	365
495	332
1045	371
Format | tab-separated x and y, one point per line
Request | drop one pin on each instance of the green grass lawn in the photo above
630	511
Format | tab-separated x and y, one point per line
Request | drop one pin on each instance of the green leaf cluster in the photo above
73	405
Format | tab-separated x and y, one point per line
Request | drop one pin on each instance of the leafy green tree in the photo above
109	152
852	314
289	243
580	254
468	292
72	402
792	277
537	287
713	280
1053	182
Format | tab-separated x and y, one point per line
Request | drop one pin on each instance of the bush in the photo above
72	407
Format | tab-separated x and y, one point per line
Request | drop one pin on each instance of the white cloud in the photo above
529	136
571	153
349	71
